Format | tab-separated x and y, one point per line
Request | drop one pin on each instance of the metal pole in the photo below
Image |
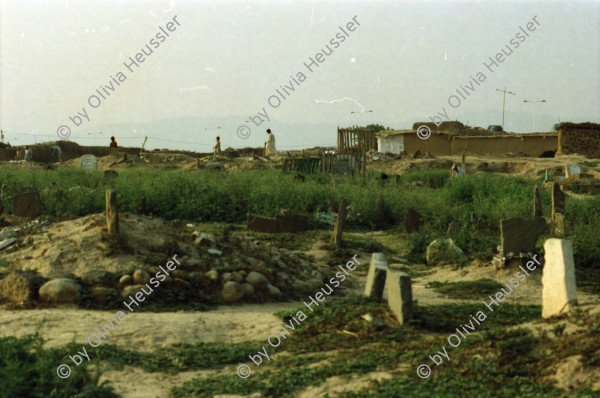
504	103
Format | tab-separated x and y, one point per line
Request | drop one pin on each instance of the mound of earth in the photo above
228	268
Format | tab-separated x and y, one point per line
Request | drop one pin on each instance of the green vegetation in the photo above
494	361
473	290
26	370
475	204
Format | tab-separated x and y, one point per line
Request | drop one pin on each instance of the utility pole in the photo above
504	103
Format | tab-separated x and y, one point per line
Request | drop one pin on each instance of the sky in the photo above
224	61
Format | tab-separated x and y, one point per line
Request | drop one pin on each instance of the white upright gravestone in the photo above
558	280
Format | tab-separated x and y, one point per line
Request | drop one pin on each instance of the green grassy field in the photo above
228	197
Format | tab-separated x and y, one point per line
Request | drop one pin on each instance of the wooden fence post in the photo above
112	213
339	223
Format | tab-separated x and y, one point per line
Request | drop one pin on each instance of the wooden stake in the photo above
339	224
112	213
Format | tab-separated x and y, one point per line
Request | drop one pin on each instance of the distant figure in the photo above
270	144
217	147
28	154
113	143
56	153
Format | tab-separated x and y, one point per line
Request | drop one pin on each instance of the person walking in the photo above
28	154
270	144
217	147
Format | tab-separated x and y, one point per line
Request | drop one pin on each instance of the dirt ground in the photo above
249	322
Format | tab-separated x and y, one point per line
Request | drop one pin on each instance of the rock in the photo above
227	276
248	289
302	286
125	280
59	291
559	293
232	292
8	233
181	283
273	291
193	262
27	204
5	243
257	280
131	290
412	221
203	239
444	251
215	251
238	276
100	294
18	288
196	275
215	166
213	275
140	277
181	274
519	235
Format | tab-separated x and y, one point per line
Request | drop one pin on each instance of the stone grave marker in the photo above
537	202
519	235
558	279
27	204
572	169
88	162
558	208
412	221
399	295
376	276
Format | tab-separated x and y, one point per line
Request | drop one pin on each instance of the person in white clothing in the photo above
270	144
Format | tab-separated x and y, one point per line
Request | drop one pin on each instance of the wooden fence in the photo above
338	163
356	139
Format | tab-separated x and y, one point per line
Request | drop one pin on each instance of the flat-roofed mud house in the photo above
455	139
581	138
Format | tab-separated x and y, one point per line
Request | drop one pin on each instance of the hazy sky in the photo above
226	58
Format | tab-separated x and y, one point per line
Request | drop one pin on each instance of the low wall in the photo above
446	145
436	144
531	145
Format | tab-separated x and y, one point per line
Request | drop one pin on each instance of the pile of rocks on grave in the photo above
232	270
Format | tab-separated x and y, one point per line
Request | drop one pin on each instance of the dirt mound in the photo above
81	248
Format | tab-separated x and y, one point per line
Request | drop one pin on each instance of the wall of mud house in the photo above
577	140
530	145
445	145
436	144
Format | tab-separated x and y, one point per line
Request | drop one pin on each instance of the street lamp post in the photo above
533	102
504	103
